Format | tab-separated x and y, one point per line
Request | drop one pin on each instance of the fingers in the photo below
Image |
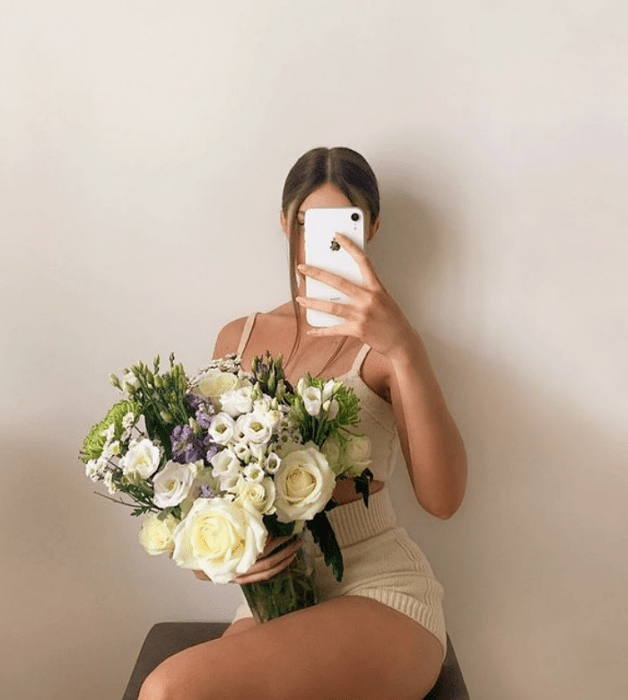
336	281
275	557
366	268
263	575
329	307
201	575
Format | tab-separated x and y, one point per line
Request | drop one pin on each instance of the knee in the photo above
157	686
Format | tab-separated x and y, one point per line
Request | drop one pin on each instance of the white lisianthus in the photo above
225	466
253	428
129	383
312	400
242	451
172	484
254	473
357	454
156	535
221	428
304	483
331	408
141	461
262	405
214	383
331	386
272	462
258	451
260	496
237	401
220	537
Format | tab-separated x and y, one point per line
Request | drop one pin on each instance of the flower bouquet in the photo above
218	462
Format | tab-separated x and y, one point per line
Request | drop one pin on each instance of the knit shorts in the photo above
380	562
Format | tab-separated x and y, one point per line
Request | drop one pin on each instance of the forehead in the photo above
326	195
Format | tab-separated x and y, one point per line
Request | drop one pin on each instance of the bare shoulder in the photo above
229	337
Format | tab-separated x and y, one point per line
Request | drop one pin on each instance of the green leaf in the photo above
276	528
325	538
362	485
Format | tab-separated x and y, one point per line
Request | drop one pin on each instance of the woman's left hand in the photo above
370	313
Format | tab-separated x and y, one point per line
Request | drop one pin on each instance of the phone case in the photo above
321	225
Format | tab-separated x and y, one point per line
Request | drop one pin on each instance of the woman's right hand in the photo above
277	554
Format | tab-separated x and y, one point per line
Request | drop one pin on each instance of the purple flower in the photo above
203	418
207	491
186	446
213	450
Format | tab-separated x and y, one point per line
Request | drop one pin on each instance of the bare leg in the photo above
345	648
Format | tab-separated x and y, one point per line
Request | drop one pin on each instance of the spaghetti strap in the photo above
246	333
359	359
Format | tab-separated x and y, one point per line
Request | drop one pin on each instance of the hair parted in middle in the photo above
339	166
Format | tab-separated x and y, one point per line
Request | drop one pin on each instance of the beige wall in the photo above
143	147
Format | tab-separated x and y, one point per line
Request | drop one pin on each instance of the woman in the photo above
379	634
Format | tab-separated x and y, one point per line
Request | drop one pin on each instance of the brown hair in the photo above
340	166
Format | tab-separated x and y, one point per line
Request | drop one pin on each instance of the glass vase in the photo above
292	589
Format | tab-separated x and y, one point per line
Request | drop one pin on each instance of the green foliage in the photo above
161	399
363	483
95	441
276	528
269	375
325	538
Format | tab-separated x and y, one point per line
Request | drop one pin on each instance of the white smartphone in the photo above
321	225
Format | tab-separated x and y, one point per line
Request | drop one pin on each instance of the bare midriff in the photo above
344	491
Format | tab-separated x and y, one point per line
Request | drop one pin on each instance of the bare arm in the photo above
431	444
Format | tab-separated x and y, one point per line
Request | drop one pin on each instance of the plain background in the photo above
143	147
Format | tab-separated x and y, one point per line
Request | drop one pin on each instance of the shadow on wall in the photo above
530	562
61	596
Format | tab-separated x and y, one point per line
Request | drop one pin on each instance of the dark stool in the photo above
167	638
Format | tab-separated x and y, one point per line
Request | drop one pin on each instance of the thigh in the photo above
342	649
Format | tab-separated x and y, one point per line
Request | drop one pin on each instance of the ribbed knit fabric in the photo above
381	562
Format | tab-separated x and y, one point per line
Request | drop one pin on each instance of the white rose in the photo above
260	496
357	454
333	452
141	461
172	484
220	537
156	535
313	399
221	428
237	401
304	483
214	383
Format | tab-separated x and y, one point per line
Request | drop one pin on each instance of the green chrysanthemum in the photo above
95	441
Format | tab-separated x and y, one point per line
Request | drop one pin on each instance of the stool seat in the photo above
167	638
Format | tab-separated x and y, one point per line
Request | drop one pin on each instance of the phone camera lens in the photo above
355	216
